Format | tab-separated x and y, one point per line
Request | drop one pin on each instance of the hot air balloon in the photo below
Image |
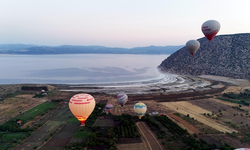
192	46
81	106
122	98
140	109
210	28
242	149
108	108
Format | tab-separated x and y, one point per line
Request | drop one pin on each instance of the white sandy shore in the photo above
167	84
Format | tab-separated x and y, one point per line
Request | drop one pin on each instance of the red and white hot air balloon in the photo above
210	28
192	46
108	108
122	98
82	105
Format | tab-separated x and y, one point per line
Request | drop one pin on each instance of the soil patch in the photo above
132	146
183	122
11	107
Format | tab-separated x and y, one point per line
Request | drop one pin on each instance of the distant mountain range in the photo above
225	55
69	49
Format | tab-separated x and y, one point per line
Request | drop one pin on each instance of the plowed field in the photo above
183	122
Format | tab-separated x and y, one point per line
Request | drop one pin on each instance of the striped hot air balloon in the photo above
192	46
122	98
140	109
108	108
82	105
210	28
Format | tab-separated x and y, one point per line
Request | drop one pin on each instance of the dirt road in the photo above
148	137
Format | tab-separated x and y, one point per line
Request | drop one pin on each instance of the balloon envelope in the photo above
82	105
122	98
109	107
140	109
192	46
210	28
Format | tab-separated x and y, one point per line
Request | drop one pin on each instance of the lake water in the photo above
80	68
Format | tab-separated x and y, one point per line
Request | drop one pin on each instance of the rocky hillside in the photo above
225	55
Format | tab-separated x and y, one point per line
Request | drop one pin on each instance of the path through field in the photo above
196	112
148	137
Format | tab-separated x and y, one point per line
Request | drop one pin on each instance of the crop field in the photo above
61	138
45	132
104	122
132	146
31	113
226	114
11	107
81	134
197	112
8	138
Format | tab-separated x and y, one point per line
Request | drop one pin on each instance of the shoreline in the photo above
181	84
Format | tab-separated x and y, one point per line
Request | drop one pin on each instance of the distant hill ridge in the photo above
225	55
69	49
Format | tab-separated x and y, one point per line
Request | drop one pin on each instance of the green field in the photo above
73	119
10	139
31	113
81	134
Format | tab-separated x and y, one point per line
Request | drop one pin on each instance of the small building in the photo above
19	122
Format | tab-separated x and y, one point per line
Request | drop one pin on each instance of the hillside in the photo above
70	49
225	55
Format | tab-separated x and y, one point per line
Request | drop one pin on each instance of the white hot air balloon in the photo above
192	46
122	98
210	28
81	106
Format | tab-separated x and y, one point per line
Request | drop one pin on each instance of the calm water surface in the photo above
79	68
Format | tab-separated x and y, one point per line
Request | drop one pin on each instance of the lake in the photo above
80	68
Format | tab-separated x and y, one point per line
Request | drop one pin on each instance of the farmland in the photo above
210	119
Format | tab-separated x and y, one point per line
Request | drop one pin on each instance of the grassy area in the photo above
13	135
241	98
229	100
73	119
81	133
31	113
11	139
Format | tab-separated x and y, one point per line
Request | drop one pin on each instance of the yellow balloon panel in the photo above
82	105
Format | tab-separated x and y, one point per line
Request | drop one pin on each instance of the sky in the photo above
117	23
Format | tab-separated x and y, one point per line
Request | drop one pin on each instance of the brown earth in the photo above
132	146
10	107
183	122
148	137
153	101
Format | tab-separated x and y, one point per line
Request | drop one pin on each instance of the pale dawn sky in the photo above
117	23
